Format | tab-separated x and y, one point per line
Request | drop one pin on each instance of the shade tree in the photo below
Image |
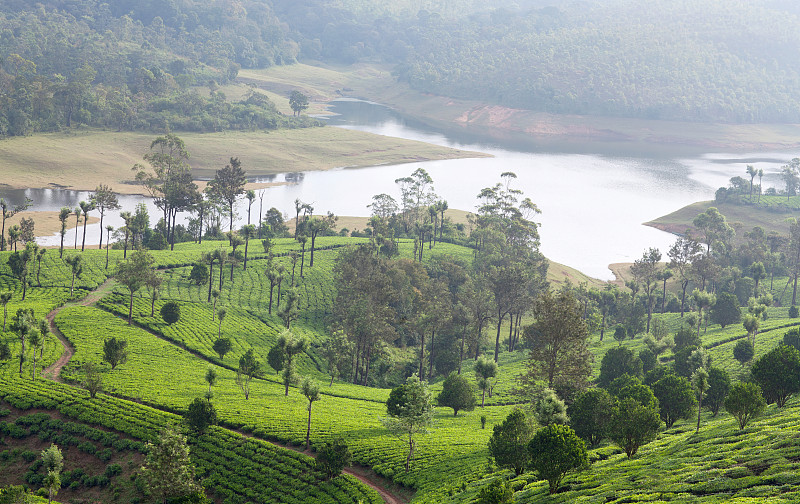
509	441
410	412
745	402
457	393
554	451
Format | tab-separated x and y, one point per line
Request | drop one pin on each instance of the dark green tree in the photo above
676	399
726	310
134	273
457	393
590	415
633	424
275	358
745	401
228	184
496	492
199	274
618	361
719	384
222	346
556	450
168	472
333	457
171	312
778	374
743	351
485	369
509	441
115	351
249	368
200	415
310	389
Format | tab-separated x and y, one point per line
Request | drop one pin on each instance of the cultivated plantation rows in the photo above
167	364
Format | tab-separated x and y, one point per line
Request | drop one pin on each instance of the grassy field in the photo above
61	159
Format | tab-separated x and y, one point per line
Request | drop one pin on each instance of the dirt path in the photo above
364	474
53	372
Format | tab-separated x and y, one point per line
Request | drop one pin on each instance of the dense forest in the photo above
135	65
127	64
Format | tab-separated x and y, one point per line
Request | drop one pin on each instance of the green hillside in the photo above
167	364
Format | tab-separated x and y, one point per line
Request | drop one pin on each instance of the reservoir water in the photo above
593	197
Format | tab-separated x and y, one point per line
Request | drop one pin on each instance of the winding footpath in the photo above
365	475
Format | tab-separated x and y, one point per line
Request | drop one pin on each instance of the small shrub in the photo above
794	312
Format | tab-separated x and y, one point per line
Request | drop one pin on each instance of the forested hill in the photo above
152	64
699	60
133	64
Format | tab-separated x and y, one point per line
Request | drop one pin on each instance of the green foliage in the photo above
199	274
719	384
411	412
200	415
794	311
649	360
726	310
633	424
496	492
792	338
550	409
171	312
115	351
92	379
590	415
509	440
676	398
457	393
167	470
275	358
618	361
686	337
743	351
556	450
778	374
222	346
333	457
745	401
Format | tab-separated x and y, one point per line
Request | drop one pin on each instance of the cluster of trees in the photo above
443	306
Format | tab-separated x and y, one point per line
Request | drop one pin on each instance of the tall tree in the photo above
291	348
135	273
103	198
791	177
298	102
5	298
170	182
86	207
248	231
410	410
228	184
558	342
78	212
21	263
310	389
75	264
9	211
249	368
646	273
63	214
168	471
317	225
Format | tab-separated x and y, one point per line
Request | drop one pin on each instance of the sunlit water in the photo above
593	205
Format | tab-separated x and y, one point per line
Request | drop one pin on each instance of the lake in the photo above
593	197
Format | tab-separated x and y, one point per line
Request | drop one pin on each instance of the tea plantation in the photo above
237	462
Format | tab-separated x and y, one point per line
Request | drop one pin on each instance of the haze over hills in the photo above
137	65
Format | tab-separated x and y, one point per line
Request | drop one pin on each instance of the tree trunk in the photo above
311	262
602	326
246	244
308	428
210	279
664	299
130	310
497	340
461	352
430	357
699	409
85	221
483	398
271	288
684	285
102	212
410	451
422	358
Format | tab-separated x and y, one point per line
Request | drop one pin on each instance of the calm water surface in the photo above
593	197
